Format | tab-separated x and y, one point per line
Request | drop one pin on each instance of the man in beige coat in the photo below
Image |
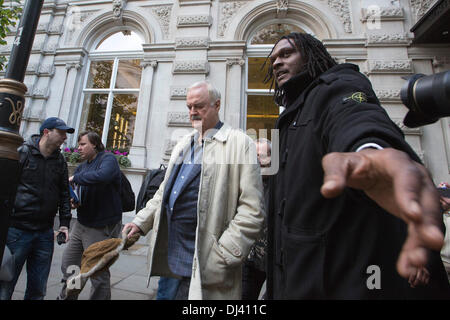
228	206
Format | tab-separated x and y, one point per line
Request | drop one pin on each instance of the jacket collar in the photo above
295	86
33	144
298	87
220	134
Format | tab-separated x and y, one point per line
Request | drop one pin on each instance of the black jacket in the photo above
99	179
43	189
324	248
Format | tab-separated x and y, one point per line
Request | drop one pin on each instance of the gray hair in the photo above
213	93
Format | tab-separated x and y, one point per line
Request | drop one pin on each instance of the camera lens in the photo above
427	98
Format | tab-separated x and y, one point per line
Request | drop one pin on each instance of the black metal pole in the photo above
12	92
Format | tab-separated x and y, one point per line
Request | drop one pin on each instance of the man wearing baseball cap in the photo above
43	190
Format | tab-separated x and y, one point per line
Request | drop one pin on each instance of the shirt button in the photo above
182	177
174	192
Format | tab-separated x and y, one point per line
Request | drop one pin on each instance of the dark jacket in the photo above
323	248
99	179
43	189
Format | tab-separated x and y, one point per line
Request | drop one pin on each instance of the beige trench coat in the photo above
229	215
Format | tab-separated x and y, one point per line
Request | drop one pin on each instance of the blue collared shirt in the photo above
190	160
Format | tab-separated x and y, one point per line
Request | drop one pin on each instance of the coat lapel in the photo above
195	171
170	182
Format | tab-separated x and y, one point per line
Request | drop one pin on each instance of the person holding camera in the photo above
43	190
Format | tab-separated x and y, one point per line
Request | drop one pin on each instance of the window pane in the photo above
128	74
100	74
121	125
120	41
94	110
271	33
262	113
256	75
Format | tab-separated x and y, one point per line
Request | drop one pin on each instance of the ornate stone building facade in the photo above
122	67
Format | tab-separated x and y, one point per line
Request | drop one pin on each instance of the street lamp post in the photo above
12	98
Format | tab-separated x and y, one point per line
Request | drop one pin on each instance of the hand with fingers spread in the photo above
399	185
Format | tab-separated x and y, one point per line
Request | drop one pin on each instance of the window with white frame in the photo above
262	112
111	89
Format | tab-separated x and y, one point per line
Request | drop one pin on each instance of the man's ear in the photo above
217	105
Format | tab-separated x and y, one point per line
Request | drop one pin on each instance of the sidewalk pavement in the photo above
128	276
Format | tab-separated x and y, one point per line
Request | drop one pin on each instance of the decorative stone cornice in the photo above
390	66
420	7
382	13
193	2
388	95
227	10
235	61
75	65
178	119
75	20
192	43
194	21
163	14
282	8
149	63
117	8
178	93
190	66
386	39
342	9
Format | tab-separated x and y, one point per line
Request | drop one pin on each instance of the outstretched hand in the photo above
399	185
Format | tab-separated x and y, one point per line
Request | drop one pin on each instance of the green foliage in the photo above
9	16
73	156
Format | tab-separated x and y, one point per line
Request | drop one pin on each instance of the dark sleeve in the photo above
64	198
107	171
347	124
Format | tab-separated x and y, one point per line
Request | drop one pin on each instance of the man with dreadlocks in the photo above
351	201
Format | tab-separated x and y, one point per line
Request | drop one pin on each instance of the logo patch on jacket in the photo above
357	97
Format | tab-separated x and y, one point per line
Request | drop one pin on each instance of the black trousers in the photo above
252	281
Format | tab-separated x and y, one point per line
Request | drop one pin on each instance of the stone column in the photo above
67	110
233	111
138	150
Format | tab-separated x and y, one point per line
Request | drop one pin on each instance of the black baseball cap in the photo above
55	123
